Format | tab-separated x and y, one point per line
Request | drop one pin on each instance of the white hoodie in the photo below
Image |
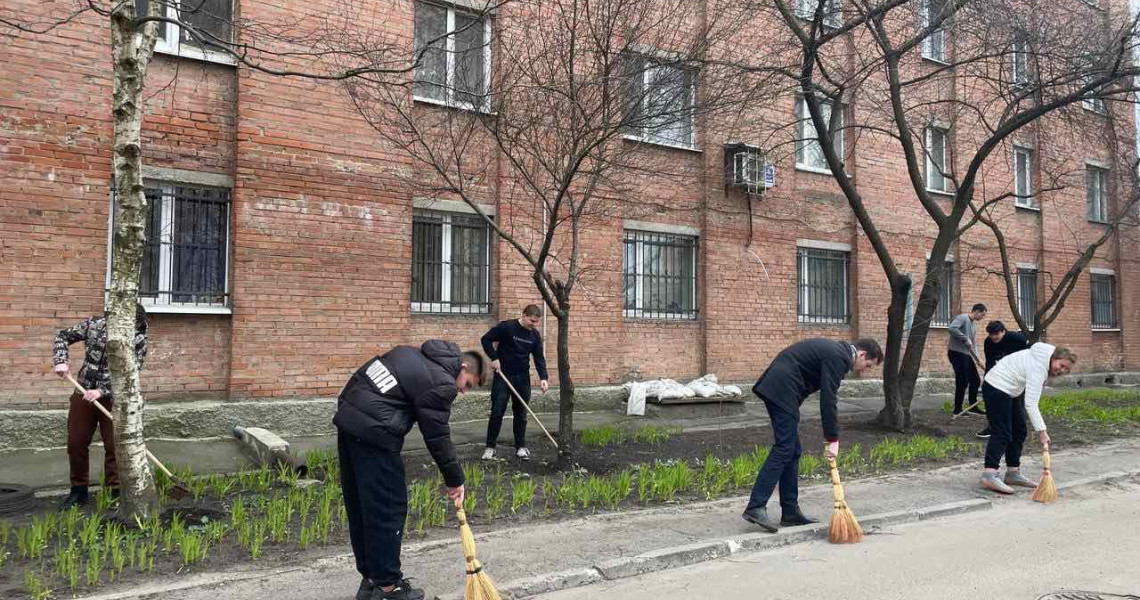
1024	372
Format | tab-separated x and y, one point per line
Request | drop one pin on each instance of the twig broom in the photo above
844	526
1046	490
479	585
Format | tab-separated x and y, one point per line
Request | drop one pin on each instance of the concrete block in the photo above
664	558
550	582
263	445
953	508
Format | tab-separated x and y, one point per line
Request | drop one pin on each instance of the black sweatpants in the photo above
500	396
1007	427
376	500
965	375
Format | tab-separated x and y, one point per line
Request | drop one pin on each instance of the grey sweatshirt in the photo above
962	334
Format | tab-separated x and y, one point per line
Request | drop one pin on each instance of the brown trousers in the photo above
81	421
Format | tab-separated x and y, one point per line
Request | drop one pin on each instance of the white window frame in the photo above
932	169
833	16
1031	317
447	210
1019	75
643	135
1097	208
1096	105
806	134
163	302
449	69
639	280
1030	201
928	43
173	43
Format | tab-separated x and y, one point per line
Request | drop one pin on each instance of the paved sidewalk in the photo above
541	558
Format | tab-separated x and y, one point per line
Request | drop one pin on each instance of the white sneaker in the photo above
523	453
489	454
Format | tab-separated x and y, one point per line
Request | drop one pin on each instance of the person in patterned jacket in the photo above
82	418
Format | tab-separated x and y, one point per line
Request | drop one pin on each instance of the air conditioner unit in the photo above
745	168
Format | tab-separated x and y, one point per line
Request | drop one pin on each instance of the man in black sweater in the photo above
998	345
797	372
510	346
375	411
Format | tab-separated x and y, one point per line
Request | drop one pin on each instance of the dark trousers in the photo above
376	500
500	396
82	418
783	463
1007	427
965	375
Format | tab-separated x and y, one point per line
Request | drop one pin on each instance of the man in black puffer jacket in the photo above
375	411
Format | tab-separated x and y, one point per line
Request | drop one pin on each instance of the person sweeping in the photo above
510	345
1023	372
82	415
797	372
375	411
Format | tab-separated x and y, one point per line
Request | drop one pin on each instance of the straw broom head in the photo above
479	585
845	527
1046	490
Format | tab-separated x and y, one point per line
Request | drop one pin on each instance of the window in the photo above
809	154
1027	296
822	276
937	160
1103	301
1096	193
832	16
944	313
660	275
451	263
1019	73
934	45
212	20
454	52
185	263
1096	105
1023	177
659	101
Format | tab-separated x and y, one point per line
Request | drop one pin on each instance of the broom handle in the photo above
1045	459
836	486
526	406
107	414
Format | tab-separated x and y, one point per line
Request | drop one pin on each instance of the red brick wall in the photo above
321	233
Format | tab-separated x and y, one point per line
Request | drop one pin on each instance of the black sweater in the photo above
1012	341
803	369
515	345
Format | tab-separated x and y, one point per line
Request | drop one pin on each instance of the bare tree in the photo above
981	74
561	131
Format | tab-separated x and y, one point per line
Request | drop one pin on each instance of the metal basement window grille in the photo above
451	263
185	261
822	276
1027	296
1103	309
660	275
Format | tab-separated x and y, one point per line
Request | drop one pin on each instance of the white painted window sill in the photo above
652	142
192	53
1108	330
941	192
453	105
186	309
1035	209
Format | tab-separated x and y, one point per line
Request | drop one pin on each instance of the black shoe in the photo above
793	518
759	516
366	589
402	591
116	494
77	497
984	434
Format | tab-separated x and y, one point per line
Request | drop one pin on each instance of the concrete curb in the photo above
703	551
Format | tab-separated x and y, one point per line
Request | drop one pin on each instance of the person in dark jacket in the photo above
797	372
82	417
375	411
999	344
510	346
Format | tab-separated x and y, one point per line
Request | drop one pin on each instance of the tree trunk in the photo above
131	54
565	384
895	413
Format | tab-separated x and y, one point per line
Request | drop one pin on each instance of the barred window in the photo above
185	260
822	276
1103	301
660	275
944	313
451	263
1027	296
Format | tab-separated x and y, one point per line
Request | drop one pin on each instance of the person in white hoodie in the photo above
1021	372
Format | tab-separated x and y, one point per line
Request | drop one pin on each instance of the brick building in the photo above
286	245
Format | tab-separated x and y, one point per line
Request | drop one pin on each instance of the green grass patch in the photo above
610	435
1099	406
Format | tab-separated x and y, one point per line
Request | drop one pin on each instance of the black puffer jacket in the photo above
404	386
